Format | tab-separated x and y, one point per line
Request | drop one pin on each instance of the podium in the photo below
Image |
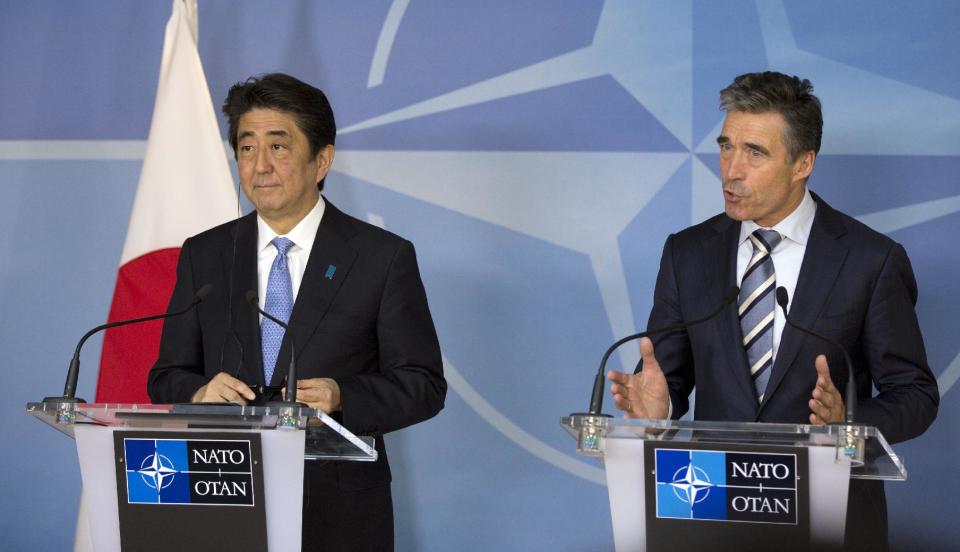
686	485
156	476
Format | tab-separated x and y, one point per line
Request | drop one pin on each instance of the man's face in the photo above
760	183
277	173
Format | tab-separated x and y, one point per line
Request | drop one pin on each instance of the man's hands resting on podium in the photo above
224	388
320	393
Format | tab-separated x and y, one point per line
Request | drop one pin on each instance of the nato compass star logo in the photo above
157	471
153	467
720	485
216	472
691	484
567	162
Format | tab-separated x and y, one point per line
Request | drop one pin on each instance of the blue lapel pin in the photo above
330	270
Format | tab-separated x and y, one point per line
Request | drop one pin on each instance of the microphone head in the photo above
782	298
203	292
252	298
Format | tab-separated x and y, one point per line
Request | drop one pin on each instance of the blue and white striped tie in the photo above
756	308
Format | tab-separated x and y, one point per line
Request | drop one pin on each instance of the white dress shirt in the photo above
302	235
787	255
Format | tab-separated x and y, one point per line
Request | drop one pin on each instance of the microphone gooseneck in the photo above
230	324
596	397
851	395
73	372
292	370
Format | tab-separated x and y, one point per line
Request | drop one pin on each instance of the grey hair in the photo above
791	97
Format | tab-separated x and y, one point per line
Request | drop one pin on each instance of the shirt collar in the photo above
302	235
795	227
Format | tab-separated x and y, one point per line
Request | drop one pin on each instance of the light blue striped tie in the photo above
279	303
757	306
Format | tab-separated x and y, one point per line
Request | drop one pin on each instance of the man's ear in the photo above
324	160
803	166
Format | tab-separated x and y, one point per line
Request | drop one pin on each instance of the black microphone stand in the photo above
593	424
851	438
596	397
73	372
291	393
851	392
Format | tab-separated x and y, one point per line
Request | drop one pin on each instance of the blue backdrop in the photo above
537	153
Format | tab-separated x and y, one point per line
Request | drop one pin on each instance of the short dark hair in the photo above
791	97
280	92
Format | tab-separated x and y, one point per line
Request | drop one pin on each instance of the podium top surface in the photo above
875	459
325	437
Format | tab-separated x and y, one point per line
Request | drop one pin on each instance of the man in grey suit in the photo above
845	281
367	352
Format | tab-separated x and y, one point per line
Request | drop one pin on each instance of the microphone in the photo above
292	371
851	395
596	399
70	388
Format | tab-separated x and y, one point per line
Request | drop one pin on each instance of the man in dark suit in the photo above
845	281
367	352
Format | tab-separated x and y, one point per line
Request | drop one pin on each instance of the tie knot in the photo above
768	238
282	244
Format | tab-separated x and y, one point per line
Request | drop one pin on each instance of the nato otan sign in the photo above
188	471
726	486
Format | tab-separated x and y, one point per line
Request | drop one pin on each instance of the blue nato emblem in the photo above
155	471
727	486
691	484
189	471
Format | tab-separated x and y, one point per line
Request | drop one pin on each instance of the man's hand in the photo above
320	393
642	395
826	404
224	388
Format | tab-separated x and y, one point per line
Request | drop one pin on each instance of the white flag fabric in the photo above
185	187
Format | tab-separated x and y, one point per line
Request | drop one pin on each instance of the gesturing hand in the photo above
642	395
826	404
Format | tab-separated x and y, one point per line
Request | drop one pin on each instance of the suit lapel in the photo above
720	254
822	261
246	322
328	266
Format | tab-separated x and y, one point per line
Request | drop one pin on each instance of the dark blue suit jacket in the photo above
365	323
855	286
